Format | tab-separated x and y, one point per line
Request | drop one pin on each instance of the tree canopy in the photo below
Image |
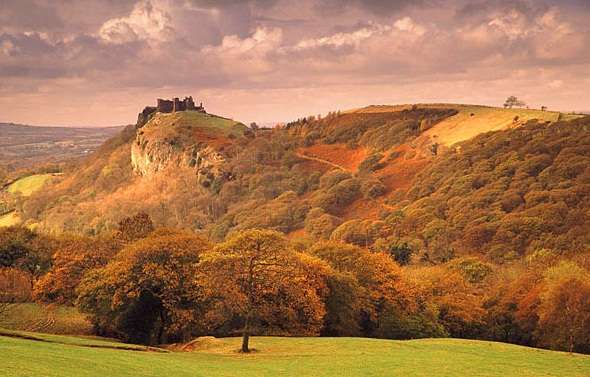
257	280
147	293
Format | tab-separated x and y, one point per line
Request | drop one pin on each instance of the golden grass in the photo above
53	319
472	120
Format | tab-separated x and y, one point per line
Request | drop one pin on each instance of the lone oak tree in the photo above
257	278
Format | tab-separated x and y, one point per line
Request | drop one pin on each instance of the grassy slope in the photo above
290	356
25	187
52	319
9	219
28	185
464	126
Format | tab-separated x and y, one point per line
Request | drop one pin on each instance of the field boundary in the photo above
25	336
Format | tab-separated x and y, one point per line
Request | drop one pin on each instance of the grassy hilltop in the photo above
66	356
472	120
192	125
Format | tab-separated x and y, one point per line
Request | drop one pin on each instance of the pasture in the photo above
52	355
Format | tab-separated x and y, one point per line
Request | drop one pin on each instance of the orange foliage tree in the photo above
564	310
70	262
26	250
458	304
147	293
257	278
367	282
134	228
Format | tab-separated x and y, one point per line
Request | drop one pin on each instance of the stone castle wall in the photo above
168	106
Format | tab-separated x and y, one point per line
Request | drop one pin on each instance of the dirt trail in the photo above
321	160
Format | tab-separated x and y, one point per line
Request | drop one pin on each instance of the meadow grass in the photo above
28	185
66	356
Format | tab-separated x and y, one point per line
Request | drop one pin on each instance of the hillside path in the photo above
321	160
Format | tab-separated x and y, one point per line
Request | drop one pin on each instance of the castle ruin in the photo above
168	106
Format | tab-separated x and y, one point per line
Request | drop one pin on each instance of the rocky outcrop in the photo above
149	157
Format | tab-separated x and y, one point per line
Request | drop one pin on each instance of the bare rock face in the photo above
151	156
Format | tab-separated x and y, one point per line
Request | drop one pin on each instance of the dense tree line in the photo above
158	285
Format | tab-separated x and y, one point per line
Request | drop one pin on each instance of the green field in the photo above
28	185
68	356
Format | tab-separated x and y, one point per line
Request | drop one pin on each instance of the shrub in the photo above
371	163
360	232
338	196
333	177
319	224
373	189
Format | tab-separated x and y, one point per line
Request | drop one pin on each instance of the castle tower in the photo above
189	103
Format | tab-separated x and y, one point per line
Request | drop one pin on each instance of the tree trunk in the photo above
161	339
246	335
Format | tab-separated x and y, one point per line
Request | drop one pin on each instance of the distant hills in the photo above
23	145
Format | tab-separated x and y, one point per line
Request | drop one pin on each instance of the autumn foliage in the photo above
169	285
256	282
147	293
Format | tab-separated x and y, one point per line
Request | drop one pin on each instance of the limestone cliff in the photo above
150	157
184	140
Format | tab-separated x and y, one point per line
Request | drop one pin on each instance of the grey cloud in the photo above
36	58
28	14
69	16
375	7
476	10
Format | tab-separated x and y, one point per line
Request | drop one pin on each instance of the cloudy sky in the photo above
99	62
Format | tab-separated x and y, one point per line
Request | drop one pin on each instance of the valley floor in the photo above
52	355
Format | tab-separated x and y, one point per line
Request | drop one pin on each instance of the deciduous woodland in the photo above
378	222
163	285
